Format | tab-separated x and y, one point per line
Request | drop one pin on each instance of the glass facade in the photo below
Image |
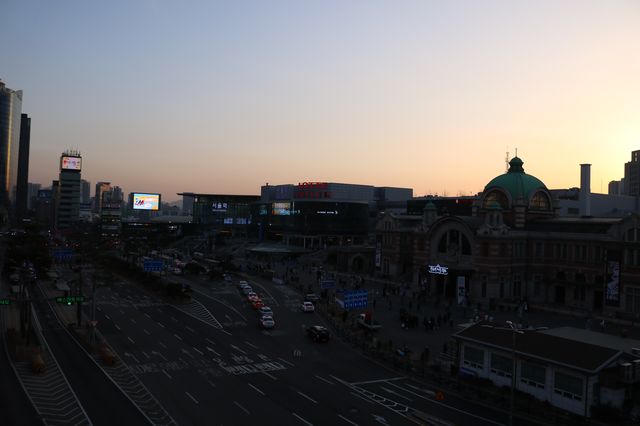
10	115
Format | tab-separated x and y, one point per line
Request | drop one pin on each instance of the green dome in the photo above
516	182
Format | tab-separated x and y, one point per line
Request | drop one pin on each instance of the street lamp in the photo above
514	330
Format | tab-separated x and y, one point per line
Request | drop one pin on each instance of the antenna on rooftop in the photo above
506	161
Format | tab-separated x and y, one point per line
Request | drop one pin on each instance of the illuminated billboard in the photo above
70	163
281	209
146	201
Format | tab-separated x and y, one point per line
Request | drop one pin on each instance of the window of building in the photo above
453	242
473	357
579	293
632	299
485	249
466	247
540	201
533	374
568	386
483	282
498	197
501	287
442	245
519	249
500	365
537	284
560	276
517	285
503	249
539	250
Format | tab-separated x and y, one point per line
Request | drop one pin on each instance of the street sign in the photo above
325	284
153	265
63	254
69	300
5	302
354	299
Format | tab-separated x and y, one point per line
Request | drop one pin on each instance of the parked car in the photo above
307	307
257	304
267	322
265	310
318	333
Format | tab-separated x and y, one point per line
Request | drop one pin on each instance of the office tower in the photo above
68	194
85	191
32	196
10	110
22	190
632	175
101	187
116	194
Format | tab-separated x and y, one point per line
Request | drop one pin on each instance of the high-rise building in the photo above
22	190
615	188
116	194
101	187
85	191
32	194
10	110
68	195
632	175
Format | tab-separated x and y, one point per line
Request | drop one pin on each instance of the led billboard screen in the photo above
146	201
281	209
70	163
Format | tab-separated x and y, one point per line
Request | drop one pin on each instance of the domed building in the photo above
520	196
515	248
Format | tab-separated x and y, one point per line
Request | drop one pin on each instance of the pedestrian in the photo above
602	325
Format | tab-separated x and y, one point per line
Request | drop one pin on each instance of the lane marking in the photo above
211	383
198	350
190	396
177	337
238	349
211	350
241	407
147	315
428	392
133	321
361	397
160	324
377	381
131	340
302	420
118	327
324	380
146	355
107	317
270	375
308	397
167	374
146	332
210	341
190	329
392	392
250	344
226	332
174	318
163	345
347	420
287	362
159	354
256	389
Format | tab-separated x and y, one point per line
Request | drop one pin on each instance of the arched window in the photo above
454	241
540	201
498	197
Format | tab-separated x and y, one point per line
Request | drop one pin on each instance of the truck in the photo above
366	321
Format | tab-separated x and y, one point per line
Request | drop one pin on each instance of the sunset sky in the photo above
221	97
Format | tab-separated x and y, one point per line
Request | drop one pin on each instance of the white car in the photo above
307	307
267	322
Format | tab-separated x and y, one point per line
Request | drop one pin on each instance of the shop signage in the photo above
314	190
438	270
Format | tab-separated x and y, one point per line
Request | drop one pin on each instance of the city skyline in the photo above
219	99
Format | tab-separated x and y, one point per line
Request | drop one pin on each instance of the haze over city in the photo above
224	96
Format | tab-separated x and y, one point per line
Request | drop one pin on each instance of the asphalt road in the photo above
102	400
240	374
